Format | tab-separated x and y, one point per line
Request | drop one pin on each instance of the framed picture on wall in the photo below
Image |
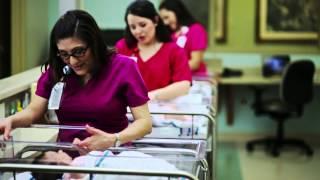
287	21
220	17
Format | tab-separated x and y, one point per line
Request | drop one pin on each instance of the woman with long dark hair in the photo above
88	85
187	32
163	65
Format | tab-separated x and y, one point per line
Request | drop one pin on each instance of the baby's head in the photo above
51	158
58	157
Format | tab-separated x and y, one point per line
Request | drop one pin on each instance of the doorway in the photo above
5	38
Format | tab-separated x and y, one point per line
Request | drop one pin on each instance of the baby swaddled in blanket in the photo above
125	160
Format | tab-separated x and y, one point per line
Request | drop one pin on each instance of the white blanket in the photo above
127	160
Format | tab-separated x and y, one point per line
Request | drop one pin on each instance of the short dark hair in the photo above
81	25
36	160
146	9
44	175
184	17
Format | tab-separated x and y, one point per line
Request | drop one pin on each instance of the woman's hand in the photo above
99	140
152	95
5	128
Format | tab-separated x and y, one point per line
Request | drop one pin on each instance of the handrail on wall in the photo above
18	83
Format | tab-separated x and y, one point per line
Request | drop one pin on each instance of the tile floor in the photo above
235	163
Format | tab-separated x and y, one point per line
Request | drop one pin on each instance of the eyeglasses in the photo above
76	52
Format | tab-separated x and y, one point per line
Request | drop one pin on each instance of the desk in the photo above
250	76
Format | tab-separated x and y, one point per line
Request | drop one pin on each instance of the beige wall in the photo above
33	19
29	33
241	33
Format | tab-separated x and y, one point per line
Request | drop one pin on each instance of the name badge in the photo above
55	96
134	58
181	41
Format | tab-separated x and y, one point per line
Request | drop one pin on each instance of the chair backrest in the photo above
297	82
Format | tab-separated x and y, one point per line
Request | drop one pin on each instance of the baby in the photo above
127	160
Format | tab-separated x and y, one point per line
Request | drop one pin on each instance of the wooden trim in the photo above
220	25
18	36
291	34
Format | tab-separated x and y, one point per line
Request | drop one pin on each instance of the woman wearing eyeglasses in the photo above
95	95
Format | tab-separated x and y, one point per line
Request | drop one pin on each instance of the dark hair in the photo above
146	9
184	18
44	175
81	25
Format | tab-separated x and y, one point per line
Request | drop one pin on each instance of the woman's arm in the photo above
180	76
34	111
195	60
141	126
171	91
197	45
100	140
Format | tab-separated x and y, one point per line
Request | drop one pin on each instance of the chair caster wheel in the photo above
309	153
275	153
249	147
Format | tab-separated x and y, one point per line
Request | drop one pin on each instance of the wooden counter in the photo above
18	83
253	76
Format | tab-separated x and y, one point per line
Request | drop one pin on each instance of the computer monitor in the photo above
274	65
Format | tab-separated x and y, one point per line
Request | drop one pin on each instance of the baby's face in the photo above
60	157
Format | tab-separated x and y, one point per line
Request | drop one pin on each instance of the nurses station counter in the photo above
14	89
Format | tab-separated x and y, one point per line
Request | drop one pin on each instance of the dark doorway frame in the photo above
5	38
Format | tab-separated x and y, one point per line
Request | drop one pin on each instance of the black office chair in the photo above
296	89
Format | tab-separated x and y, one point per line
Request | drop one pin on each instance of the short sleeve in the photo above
122	48
197	37
179	64
45	84
135	89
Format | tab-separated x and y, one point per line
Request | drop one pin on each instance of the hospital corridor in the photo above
159	90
